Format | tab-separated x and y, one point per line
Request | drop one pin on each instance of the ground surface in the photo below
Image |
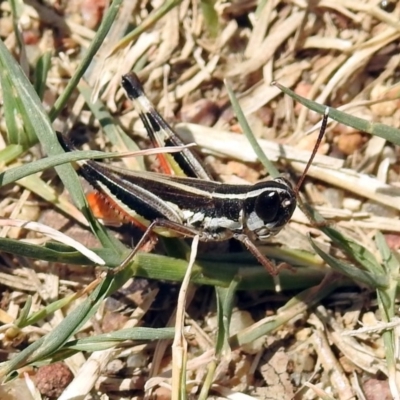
295	343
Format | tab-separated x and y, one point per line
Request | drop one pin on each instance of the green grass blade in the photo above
372	280
292	309
87	58
57	338
112	130
19	121
48	310
24	313
387	305
47	253
165	7
22	171
384	131
391	266
109	340
210	17
42	69
390	261
17	10
226	302
354	250
350	247
269	166
10	153
36	119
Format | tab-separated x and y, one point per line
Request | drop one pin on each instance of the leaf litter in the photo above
343	54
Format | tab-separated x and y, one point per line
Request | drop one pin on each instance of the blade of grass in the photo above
22	171
109	340
34	116
368	278
146	24
384	131
87	58
269	166
46	253
387	305
354	250
50	309
210	17
41	71
24	313
249	276
54	235
294	307
10	153
17	9
153	266
225	302
44	347
19	127
113	131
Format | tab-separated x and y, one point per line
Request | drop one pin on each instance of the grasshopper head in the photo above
270	207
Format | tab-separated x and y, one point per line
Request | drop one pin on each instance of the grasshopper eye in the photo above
268	206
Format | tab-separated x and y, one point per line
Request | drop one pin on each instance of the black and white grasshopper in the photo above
172	205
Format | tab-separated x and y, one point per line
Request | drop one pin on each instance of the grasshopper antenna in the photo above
314	152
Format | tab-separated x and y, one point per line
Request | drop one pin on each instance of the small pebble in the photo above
393	240
375	389
349	143
92	12
51	380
